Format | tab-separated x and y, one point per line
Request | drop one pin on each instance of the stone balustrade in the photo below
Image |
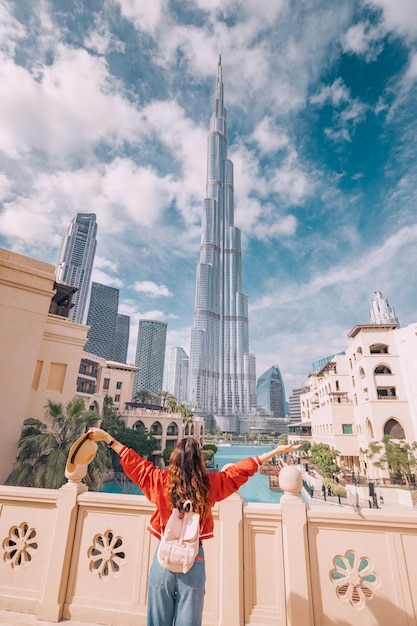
76	554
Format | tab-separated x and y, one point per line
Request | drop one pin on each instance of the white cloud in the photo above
282	227
364	39
145	15
11	30
269	137
139	192
152	289
335	94
399	16
98	276
63	109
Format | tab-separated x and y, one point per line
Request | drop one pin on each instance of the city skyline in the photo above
104	110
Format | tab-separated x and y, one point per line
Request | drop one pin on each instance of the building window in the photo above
117	397
382	369
347	429
118	385
37	375
386	393
378	348
106	383
56	377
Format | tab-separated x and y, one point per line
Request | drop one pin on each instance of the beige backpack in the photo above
180	541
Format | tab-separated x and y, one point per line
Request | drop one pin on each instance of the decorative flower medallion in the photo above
105	554
354	578
19	544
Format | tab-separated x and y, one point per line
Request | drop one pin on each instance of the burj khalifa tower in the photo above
222	373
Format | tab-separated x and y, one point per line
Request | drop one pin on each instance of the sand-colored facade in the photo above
40	351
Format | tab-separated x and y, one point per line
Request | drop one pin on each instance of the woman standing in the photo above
173	598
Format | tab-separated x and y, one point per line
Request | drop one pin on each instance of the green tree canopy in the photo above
396	455
138	439
44	447
323	458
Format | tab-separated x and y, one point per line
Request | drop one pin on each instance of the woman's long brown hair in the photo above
187	477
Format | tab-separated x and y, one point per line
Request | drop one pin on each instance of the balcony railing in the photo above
302	565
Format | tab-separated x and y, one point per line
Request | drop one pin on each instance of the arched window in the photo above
378	348
382	369
394	429
369	429
139	425
156	428
172	429
360	350
361	372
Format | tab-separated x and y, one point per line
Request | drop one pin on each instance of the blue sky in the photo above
105	106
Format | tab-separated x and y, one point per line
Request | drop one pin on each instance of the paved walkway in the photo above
9	618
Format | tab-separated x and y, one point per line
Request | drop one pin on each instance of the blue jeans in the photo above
176	599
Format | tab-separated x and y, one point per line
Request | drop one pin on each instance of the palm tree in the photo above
164	398
143	396
44	447
172	405
187	414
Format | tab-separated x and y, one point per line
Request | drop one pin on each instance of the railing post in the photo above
295	550
231	572
52	603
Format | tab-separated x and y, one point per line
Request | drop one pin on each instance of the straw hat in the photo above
82	453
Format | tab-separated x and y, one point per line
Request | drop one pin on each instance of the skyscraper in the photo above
177	378
270	392
121	338
381	312
102	319
75	262
222	376
150	356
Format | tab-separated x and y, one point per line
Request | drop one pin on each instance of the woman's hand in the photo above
279	450
98	434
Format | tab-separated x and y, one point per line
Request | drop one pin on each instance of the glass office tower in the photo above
177	375
150	356
76	259
270	392
222	377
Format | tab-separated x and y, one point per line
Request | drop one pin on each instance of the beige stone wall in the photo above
26	289
58	362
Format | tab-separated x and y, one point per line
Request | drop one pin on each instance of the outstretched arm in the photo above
266	456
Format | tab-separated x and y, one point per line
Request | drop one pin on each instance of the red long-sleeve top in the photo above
152	482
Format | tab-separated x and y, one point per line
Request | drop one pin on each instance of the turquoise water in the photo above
255	490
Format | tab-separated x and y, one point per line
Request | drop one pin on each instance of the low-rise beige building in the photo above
40	351
369	392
